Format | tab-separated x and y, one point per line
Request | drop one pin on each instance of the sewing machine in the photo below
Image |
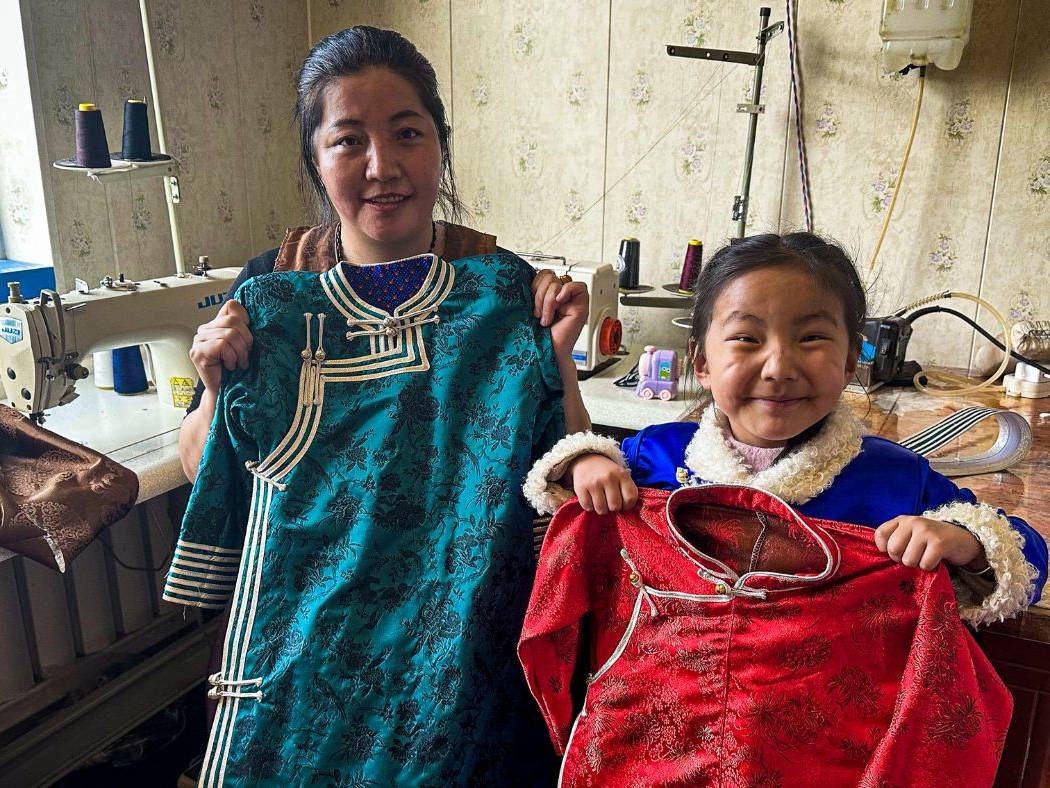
44	341
600	339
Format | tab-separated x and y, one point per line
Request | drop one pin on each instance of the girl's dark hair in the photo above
823	260
351	51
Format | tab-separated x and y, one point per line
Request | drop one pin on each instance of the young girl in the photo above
775	340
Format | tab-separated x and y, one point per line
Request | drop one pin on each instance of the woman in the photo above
377	647
345	185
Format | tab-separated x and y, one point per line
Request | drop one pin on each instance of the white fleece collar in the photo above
802	475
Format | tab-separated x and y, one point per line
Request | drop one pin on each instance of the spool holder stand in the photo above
757	60
168	169
766	32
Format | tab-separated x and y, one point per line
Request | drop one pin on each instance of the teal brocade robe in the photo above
359	502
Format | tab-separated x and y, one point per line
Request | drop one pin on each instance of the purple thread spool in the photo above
694	258
92	150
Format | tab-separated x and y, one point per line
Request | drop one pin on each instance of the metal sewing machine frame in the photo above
47	340
44	342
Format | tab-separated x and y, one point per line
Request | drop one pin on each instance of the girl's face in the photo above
379	157
777	354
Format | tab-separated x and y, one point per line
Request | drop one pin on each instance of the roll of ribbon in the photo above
135	144
694	256
630	249
92	150
129	373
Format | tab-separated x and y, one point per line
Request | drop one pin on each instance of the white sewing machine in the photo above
43	342
600	339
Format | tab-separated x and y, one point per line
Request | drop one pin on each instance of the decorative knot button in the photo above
721	588
633	577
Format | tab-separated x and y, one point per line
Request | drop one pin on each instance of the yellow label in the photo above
181	391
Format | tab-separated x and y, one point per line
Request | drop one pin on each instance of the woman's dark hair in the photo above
823	260
351	51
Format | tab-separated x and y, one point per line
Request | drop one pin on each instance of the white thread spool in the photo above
103	364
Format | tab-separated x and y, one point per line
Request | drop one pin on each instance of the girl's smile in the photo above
776	365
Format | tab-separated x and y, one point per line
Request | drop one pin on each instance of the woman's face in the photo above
378	155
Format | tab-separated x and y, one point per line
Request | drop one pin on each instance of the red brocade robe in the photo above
735	643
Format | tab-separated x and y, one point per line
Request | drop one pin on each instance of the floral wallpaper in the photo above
953	201
226	82
573	128
1017	260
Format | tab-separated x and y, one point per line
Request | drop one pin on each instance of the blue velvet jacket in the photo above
881	481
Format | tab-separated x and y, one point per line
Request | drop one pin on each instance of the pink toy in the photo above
657	374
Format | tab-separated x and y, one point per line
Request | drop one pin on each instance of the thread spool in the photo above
134	144
90	132
129	373
103	364
630	252
694	257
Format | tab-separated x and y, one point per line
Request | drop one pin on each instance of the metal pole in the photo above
74	612
169	181
147	553
113	585
740	204
25	605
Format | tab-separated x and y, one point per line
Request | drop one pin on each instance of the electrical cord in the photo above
977	327
628	381
963	387
104	538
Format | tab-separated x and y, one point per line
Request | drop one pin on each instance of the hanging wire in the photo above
796	98
148	569
700	95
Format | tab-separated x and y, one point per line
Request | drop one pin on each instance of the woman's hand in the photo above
225	341
921	542
563	307
602	485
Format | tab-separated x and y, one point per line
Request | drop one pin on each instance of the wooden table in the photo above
1019	648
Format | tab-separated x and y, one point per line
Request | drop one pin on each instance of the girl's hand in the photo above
602	485
563	307
921	542
224	341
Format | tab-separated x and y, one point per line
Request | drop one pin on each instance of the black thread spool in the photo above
92	150
135	145
630	249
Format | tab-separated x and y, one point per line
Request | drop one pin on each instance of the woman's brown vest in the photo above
313	248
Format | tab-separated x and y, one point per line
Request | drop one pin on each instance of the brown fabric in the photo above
464	242
313	248
56	495
307	249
